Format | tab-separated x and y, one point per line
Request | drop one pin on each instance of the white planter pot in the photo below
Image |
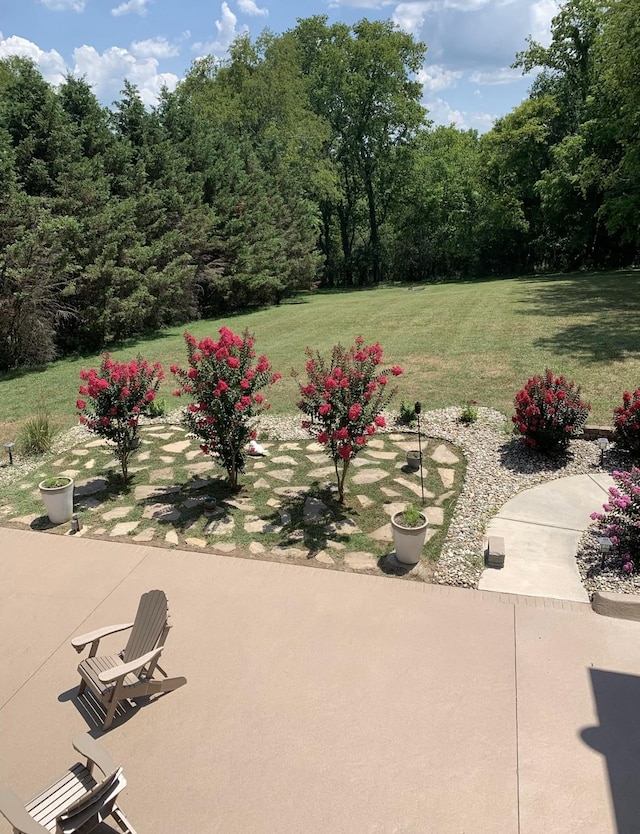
408	541
58	501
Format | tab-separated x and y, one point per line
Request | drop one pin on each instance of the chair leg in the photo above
82	687
111	711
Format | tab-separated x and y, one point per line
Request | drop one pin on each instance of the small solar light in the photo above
605	545
9	447
603	443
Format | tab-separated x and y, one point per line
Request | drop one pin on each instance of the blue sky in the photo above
466	76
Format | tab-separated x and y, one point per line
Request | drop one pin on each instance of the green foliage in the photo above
549	412
118	393
36	435
407	415
469	412
626	423
412	517
226	387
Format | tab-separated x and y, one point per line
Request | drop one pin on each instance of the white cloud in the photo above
505	75
434	77
64	5
542	12
131	7
154	48
250	7
227	33
442	113
106	72
411	16
51	64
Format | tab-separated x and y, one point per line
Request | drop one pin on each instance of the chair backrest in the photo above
150	627
93	807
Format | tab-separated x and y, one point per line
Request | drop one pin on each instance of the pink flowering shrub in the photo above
549	412
225	383
626	423
343	400
621	518
117	394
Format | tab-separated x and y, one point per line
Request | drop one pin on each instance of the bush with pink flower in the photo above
117	393
620	520
626	423
343	399
549	412
225	380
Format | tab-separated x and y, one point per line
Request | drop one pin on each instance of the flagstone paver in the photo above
335	545
291	491
317	458
253	524
262	483
441	454
289	447
365	500
177	447
161	512
287	460
260	464
447	476
435	515
382	534
314	509
93	444
90	463
220	526
362	461
124	528
322	472
224	547
290	552
90	487
324	558
145	535
115	513
369	476
281	474
359	559
172	538
70	473
344	527
80	452
162	435
257	548
165	474
143	456
194	542
390	493
381	455
414	486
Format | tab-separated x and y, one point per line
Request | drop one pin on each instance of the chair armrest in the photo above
14	811
83	640
116	672
94	752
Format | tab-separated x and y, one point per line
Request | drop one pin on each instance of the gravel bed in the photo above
498	467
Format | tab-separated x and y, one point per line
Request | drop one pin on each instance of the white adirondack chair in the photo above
75	803
129	674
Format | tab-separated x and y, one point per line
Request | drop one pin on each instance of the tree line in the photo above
305	158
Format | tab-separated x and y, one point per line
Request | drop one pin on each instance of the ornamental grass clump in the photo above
620	521
225	383
626	423
549	412
343	400
118	393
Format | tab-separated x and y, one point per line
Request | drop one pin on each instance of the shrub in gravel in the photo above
620	521
626	422
549	412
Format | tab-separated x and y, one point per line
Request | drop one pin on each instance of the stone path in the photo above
163	508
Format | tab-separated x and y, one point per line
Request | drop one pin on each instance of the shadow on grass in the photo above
322	511
607	303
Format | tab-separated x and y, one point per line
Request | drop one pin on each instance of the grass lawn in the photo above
473	340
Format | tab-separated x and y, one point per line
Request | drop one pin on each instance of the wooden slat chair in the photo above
129	674
74	804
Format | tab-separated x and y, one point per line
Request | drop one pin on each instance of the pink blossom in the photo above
355	411
380	421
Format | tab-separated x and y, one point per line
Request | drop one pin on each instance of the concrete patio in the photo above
324	701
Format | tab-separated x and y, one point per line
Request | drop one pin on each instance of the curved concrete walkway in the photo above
541	528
